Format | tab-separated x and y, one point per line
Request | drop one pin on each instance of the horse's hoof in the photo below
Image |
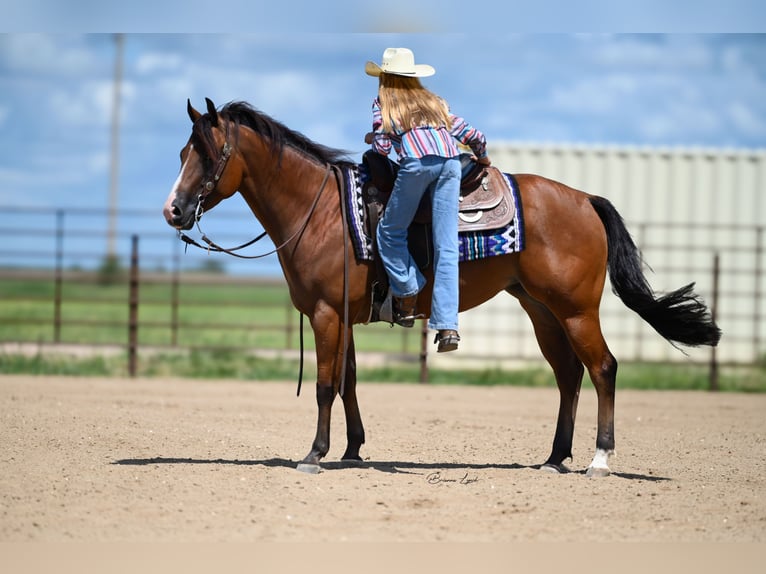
309	468
597	472
352	462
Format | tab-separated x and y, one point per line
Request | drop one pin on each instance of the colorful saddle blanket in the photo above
476	244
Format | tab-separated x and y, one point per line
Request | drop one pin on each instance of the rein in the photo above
210	185
214	247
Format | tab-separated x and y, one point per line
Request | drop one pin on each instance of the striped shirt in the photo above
424	140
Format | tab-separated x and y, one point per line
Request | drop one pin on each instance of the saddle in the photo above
485	197
485	203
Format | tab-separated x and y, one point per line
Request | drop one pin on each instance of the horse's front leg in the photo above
329	350
321	445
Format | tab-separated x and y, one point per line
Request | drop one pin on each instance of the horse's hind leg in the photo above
584	331
354	427
567	369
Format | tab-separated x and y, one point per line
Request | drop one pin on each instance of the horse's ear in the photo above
194	115
212	111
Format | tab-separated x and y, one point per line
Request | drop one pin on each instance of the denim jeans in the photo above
440	177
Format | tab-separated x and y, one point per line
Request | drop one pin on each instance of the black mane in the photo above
279	135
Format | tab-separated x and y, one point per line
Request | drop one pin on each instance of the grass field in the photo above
219	323
229	364
214	314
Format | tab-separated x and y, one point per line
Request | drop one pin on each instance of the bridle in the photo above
209	187
211	184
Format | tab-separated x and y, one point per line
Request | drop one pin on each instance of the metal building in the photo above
685	208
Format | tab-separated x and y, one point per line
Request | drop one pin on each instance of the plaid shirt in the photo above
422	141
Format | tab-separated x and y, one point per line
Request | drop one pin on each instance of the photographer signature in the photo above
437	478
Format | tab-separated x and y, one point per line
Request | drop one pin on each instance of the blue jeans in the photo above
440	177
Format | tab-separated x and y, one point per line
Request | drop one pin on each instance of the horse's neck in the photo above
282	197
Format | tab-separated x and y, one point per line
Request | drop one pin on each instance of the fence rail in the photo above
59	287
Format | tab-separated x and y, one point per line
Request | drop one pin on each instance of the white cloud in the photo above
98	162
88	104
51	177
746	120
152	62
85	106
664	90
595	94
47	54
284	95
678	122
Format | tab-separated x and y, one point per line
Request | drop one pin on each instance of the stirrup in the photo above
447	340
404	311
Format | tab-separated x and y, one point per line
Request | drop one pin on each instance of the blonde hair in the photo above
405	104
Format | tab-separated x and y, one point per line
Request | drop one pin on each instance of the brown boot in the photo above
404	310
447	339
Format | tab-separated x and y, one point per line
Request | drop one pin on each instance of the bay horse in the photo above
572	239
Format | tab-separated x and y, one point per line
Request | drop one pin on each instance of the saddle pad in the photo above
473	244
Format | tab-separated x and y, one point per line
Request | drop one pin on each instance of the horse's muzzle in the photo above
177	218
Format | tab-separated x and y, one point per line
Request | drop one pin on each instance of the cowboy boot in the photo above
404	310
447	339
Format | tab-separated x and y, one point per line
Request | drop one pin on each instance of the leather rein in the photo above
209	187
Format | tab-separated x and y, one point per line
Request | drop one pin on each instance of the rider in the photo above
422	131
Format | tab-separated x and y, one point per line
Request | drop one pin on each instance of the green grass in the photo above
241	315
236	318
228	364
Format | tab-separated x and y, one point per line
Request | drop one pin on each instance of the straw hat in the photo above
401	62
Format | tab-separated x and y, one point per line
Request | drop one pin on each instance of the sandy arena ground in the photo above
102	460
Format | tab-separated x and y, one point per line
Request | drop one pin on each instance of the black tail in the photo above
680	316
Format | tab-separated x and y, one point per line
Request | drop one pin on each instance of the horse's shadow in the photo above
392	467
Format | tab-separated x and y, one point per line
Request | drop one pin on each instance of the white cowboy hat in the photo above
401	62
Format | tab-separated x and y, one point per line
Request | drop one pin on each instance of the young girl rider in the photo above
419	126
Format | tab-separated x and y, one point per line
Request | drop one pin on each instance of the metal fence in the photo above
698	215
726	263
60	289
58	286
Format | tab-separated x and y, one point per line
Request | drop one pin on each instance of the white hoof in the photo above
309	468
597	472
599	466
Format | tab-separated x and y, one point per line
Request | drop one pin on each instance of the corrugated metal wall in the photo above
682	207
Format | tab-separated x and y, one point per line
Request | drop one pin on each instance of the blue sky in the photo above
647	89
542	84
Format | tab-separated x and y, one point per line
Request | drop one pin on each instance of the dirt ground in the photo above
101	460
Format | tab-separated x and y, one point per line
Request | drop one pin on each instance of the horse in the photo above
290	183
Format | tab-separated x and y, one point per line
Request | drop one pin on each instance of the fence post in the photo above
713	313
424	352
757	292
59	276
133	308
290	328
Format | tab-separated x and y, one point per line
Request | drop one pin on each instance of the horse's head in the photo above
210	169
